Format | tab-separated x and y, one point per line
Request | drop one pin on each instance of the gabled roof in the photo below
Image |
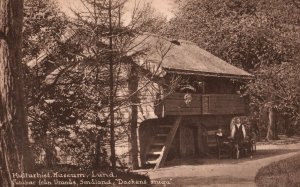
180	57
184	57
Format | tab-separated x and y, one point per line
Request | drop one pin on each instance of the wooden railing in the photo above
220	104
208	104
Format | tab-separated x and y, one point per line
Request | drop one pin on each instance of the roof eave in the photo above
208	74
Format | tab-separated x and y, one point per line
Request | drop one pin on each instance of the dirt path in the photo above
225	172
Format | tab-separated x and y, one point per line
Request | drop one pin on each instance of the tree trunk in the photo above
270	124
51	159
111	95
133	87
133	133
99	140
275	129
97	151
14	141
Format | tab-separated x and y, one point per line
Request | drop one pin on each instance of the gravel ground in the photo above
225	172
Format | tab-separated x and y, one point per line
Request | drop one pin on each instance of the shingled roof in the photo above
176	56
185	57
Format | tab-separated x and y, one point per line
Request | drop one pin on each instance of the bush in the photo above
290	131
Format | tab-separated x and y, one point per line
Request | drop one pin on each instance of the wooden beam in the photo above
167	146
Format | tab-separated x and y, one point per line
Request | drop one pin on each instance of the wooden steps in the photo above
165	126
158	149
162	135
155	152
158	144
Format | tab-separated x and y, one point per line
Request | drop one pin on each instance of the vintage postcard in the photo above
149	93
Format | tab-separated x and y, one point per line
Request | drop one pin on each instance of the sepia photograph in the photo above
150	93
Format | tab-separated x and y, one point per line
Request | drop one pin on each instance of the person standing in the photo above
238	134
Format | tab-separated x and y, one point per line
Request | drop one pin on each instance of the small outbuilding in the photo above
185	119
179	95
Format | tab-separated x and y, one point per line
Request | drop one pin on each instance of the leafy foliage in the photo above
261	36
68	90
43	26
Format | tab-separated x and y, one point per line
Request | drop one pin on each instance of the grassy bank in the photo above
282	173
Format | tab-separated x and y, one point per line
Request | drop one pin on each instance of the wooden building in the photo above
179	94
186	118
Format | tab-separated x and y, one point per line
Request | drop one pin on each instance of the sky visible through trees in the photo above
164	7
